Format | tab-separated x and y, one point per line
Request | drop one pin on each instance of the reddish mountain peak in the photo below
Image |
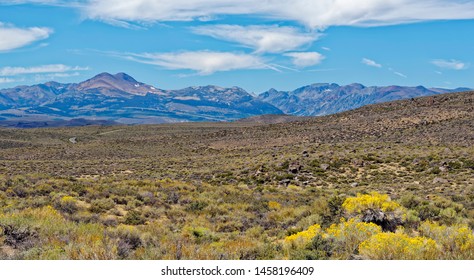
125	77
119	82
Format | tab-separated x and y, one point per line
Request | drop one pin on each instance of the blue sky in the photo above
252	44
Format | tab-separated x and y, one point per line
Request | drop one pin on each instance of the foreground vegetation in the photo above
46	218
385	187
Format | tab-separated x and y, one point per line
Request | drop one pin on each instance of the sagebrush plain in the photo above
386	181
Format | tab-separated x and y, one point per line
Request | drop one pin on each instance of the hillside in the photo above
246	190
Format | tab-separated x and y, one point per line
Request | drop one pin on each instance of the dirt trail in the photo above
108	132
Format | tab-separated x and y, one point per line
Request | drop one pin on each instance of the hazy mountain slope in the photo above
122	99
325	99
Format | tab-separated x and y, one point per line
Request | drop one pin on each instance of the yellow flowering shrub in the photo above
67	198
374	200
398	246
273	205
347	235
46	217
302	238
67	204
457	241
57	238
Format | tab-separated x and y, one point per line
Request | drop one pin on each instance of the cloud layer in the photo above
6	80
203	62
315	14
269	43
50	68
305	59
370	62
64	3
450	64
13	37
261	38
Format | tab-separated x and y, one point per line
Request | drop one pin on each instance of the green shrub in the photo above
196	206
134	217
67	204
102	205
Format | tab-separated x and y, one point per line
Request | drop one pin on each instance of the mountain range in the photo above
119	98
326	99
122	99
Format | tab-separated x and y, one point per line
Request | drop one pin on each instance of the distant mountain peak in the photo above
109	77
120	82
357	85
125	77
102	80
101	75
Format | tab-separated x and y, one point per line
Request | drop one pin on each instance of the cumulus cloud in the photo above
13	37
370	62
50	68
451	64
305	59
203	62
261	38
315	14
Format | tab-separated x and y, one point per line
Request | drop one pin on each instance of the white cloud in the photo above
305	59
370	62
450	64
50	68
16	2
203	62
64	75
6	80
262	38
54	76
65	3
397	73
13	37
315	14
19	2
400	74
